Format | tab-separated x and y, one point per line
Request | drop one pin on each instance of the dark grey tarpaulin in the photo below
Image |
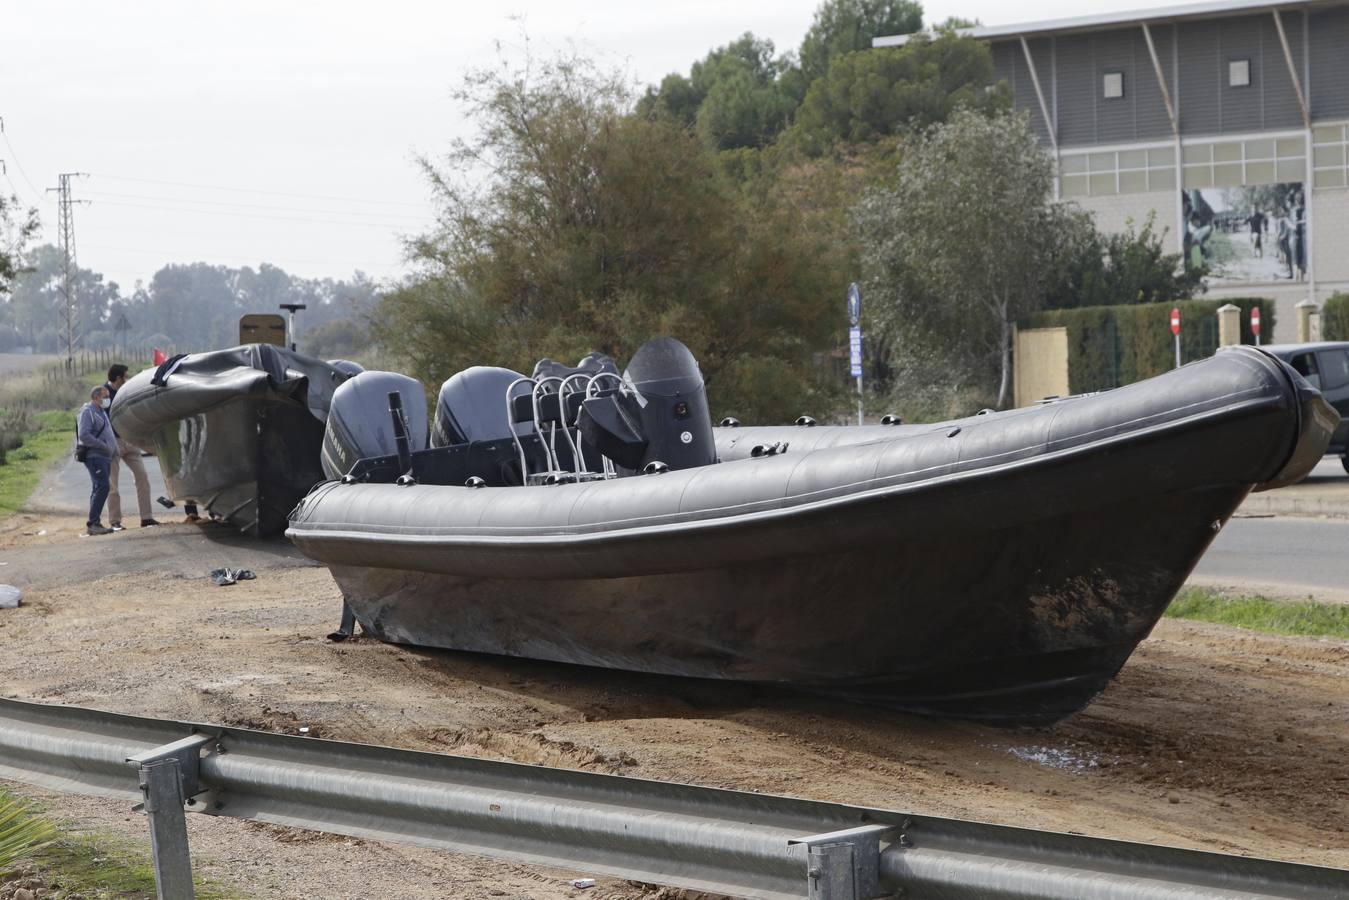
727	842
1002	566
237	431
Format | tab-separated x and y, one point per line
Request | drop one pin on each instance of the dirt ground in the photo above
1211	737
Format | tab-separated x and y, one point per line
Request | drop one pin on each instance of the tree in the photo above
966	241
872	94
598	229
739	95
17	227
1121	267
846	26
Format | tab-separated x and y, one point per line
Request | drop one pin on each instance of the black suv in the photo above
1326	366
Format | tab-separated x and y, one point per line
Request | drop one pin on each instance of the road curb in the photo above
1277	503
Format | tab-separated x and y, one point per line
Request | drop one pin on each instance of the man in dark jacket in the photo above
99	447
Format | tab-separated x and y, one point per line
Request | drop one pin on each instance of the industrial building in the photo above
1227	122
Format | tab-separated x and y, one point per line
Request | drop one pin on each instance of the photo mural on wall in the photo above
1247	234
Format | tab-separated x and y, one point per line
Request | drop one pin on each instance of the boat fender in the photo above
806	421
655	467
405	481
892	419
475	482
730	422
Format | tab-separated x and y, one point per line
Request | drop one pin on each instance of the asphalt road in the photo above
1281	556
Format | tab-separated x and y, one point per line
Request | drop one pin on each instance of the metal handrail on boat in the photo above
563	393
510	422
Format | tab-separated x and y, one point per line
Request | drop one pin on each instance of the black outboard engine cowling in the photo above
659	414
359	424
591	364
472	407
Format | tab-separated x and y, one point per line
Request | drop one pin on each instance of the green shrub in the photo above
1335	318
1113	345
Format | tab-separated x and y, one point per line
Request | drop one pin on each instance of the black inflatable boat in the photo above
1001	567
236	431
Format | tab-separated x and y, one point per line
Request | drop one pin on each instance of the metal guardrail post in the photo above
168	776
846	864
162	784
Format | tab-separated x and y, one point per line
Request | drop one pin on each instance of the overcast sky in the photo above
284	132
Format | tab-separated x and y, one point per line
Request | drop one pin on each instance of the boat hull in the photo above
237	431
247	461
1000	568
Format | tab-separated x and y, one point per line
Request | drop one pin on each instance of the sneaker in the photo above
97	529
148	523
117	526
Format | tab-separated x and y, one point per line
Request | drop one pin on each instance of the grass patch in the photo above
94	864
1302	617
53	438
37	427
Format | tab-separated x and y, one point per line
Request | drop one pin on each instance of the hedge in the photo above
1113	345
1335	318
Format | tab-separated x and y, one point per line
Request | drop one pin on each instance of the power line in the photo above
195	201
216	187
148	251
18	165
240	215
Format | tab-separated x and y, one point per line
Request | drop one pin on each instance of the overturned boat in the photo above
236	431
998	567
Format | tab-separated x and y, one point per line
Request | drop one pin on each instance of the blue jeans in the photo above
98	467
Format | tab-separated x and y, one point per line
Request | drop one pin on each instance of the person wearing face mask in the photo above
131	456
97	447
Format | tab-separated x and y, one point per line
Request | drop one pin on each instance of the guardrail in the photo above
742	844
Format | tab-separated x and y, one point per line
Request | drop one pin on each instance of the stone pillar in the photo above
1305	310
1229	325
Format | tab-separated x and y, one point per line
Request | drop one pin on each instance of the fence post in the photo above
1305	310
1229	325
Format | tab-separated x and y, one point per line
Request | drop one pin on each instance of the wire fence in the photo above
90	362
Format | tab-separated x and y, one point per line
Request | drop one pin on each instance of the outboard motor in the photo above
347	367
658	414
359	424
472	407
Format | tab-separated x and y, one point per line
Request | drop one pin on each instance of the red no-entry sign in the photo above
1175	320
1255	321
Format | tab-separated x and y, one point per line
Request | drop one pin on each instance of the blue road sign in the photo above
855	350
854	304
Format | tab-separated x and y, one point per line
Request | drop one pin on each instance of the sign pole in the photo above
1255	324
855	343
1175	331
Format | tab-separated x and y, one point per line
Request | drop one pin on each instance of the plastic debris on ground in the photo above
224	576
1054	758
10	596
582	883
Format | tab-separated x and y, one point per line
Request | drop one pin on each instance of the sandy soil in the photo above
1211	737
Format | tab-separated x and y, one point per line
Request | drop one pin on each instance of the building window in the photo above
1240	163
1112	85
1238	73
1330	156
1134	171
